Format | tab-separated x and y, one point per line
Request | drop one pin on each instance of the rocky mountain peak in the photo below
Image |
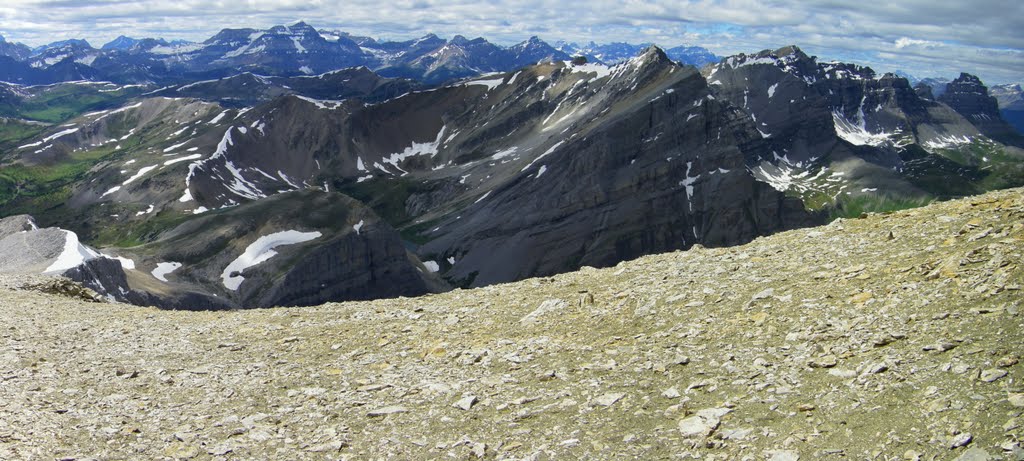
120	43
969	96
967	92
428	38
228	36
654	56
654	51
531	44
72	44
535	50
15	50
967	80
792	52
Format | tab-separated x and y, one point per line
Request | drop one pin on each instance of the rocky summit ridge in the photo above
893	336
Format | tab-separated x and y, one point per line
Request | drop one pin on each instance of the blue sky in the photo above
926	38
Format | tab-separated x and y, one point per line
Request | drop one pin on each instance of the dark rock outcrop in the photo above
348	254
968	96
661	173
876	134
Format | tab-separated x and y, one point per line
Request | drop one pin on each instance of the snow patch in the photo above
73	255
183	159
417	148
600	70
857	134
142	172
50	138
432	266
147	211
321	103
505	153
111	191
169	149
946	142
545	154
118	111
164	269
490	83
287	180
126	264
259	251
688	183
784	176
238	185
218	118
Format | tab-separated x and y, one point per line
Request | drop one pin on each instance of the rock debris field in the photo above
891	337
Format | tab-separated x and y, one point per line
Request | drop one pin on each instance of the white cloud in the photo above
904	42
924	34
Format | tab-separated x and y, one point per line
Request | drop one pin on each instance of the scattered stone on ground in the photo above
827	343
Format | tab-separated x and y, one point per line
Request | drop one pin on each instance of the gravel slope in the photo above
890	337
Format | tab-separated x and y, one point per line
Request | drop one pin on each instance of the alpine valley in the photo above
295	166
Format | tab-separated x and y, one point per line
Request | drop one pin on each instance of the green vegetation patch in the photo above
32	188
385	196
57	103
14	131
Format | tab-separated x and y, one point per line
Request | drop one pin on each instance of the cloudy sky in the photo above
926	38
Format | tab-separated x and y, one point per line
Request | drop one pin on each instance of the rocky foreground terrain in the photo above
893	336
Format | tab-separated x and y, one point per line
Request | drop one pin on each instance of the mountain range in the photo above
242	185
286	51
1010	98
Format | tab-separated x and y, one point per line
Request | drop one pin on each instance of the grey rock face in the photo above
658	176
31	252
15	224
879	137
803	107
536	172
968	96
